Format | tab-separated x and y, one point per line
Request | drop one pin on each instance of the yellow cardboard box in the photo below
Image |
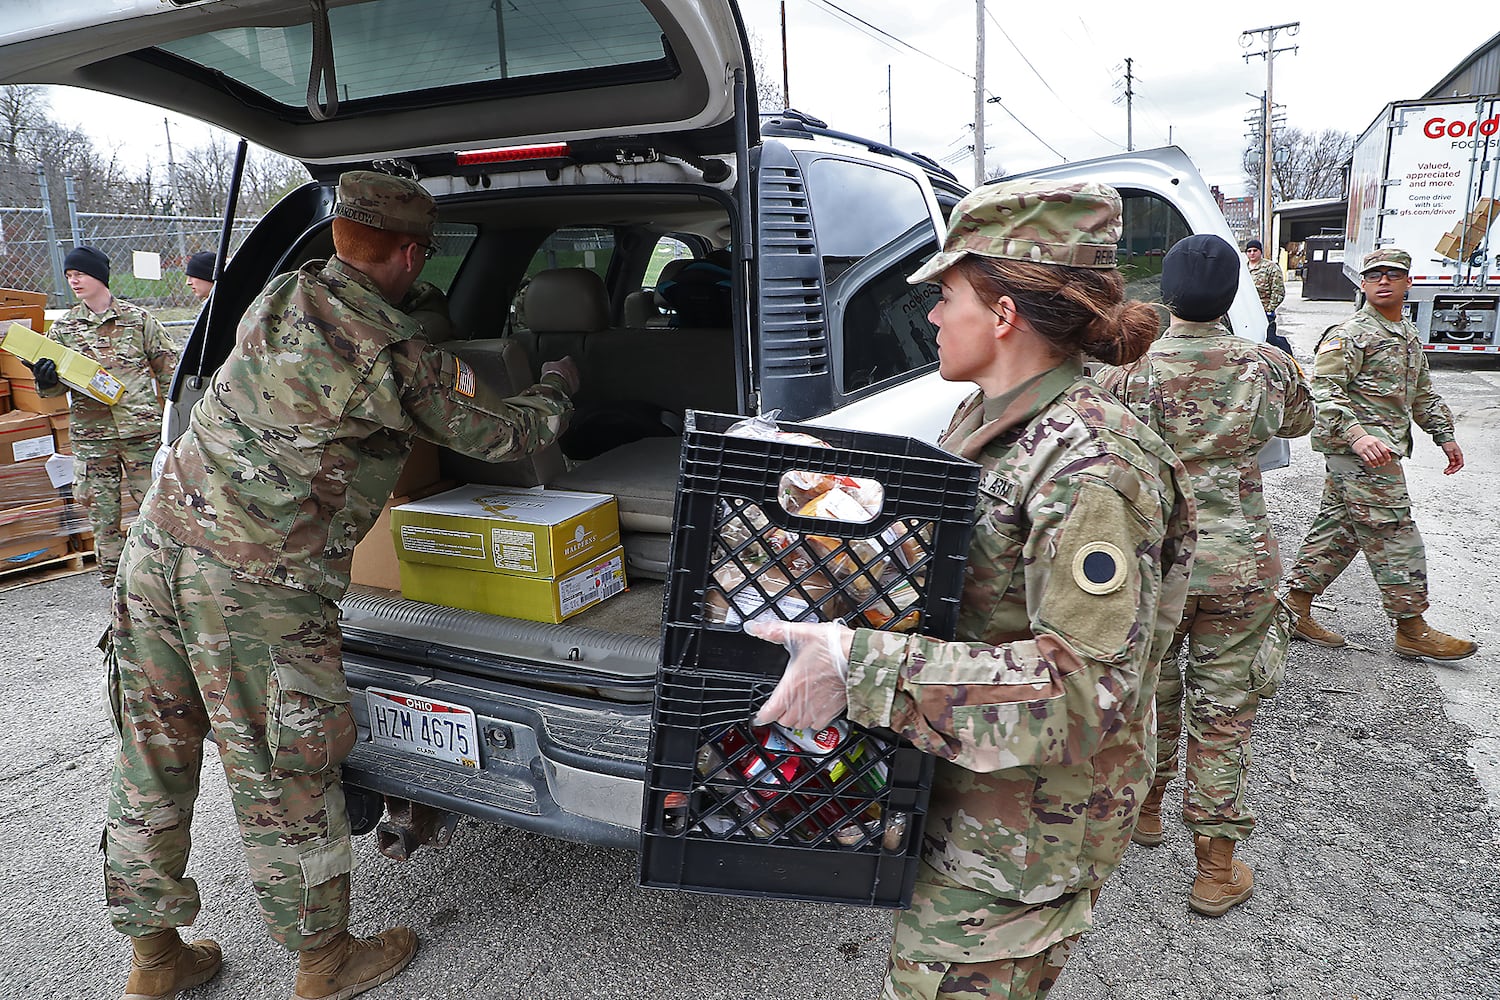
76	371
500	529
533	598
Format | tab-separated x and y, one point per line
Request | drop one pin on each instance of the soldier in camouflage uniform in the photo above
1040	712
112	445
1371	381
1216	399
226	617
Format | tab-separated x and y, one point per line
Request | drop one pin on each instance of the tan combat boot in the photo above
1148	831
347	966
162	965
1222	882
1306	627
1415	638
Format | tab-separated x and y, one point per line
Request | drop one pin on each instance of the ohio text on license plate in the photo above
424	726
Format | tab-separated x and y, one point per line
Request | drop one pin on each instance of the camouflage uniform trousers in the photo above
1001	979
1236	645
105	470
198	651
1365	510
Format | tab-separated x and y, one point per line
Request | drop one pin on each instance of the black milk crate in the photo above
724	812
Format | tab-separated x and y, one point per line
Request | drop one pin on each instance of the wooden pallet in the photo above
71	564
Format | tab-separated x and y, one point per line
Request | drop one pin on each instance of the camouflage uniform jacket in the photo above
292	452
1370	377
1084	533
134	348
1216	399
1268	283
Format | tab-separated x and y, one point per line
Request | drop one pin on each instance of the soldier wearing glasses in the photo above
1371	382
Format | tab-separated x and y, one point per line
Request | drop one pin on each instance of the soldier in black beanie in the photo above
200	273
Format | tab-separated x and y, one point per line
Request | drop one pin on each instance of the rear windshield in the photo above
386	48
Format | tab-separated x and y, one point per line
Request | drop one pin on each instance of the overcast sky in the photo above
1191	78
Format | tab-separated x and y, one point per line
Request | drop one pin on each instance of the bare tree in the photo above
1307	164
768	92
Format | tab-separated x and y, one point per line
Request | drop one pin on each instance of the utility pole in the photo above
890	101
176	193
1129	109
1247	38
786	85
979	93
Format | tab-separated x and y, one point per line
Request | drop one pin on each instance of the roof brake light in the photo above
510	154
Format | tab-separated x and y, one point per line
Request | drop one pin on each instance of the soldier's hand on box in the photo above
1455	457
814	689
567	369
1372	451
44	371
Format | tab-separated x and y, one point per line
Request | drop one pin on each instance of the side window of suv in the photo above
874	228
1151	227
451	242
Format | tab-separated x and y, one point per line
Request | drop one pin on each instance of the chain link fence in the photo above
33	244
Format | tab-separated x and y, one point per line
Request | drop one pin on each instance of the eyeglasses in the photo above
1373	277
429	250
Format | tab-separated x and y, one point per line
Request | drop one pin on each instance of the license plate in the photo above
424	726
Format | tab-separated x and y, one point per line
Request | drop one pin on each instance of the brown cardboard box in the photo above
17	306
24	436
12	366
24	396
5	405
1464	238
62	437
33	520
25	483
27	551
374	563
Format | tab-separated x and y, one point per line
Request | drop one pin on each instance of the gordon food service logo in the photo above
1458	128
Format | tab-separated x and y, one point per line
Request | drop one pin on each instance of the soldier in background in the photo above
1216	399
1039	713
226	615
112	445
1371	382
200	273
1269	285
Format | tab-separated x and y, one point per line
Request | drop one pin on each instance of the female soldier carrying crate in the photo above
1077	574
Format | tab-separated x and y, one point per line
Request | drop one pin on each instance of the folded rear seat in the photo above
505	364
643	477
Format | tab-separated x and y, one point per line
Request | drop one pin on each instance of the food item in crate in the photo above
819	788
810	598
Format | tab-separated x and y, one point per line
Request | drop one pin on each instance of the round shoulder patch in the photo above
1099	568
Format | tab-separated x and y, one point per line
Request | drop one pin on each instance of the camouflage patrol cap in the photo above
1044	222
381	201
1386	257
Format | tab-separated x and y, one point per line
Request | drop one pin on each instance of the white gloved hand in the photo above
814	689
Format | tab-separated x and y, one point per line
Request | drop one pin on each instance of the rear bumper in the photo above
555	764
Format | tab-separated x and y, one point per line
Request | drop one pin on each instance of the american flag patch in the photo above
463	378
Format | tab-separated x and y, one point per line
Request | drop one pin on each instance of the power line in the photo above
1038	73
883	35
996	101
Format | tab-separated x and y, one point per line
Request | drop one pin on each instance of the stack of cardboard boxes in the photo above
38	518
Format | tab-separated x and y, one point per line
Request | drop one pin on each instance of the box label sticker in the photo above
514	550
592	586
38	447
441	542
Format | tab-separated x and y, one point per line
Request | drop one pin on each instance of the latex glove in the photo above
814	690
44	371
567	369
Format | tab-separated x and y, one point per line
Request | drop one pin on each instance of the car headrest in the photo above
640	309
566	300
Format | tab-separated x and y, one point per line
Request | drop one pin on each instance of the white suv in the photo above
606	189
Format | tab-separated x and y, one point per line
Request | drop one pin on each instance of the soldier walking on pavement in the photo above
1040	711
1371	382
112	445
226	621
1271	288
1216	399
